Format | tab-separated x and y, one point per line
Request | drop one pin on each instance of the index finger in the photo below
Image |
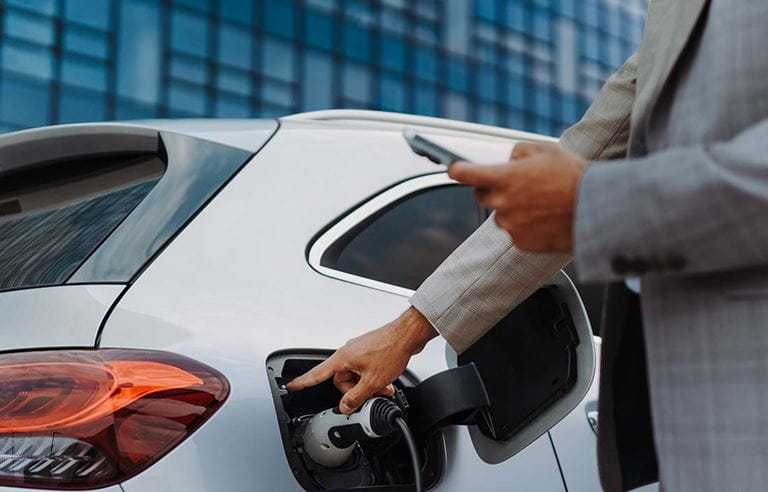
318	374
477	174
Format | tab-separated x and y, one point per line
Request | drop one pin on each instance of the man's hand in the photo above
367	365
534	194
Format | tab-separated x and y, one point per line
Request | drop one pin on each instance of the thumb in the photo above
315	376
476	174
355	397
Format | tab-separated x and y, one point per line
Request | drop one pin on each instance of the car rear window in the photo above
404	243
52	217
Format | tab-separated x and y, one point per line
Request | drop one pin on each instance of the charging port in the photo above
377	465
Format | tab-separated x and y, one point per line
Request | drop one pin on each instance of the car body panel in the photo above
233	314
62	316
236	285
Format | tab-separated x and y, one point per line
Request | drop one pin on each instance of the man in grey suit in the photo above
682	206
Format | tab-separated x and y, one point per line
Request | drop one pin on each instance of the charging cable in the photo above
408	436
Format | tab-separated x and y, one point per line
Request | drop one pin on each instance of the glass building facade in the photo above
527	64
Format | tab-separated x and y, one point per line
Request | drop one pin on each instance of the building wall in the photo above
527	64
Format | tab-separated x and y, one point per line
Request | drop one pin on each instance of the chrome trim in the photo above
359	215
400	120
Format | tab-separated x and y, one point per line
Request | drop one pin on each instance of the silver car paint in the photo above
63	316
235	286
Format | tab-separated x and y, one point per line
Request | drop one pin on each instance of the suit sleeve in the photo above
677	212
486	277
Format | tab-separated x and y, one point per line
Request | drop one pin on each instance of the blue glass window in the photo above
392	53
28	27
542	25
319	30
515	95
28	60
393	21
82	73
544	126
43	6
591	13
486	10
456	106
24	103
279	17
189	33
516	120
357	42
228	106
543	102
237	10
203	5
487	83
234	81
278	60
568	8
425	64
277	93
189	69
516	63
426	100
132	110
88	12
359	10
235	46
184	99
487	114
516	16
392	93
357	83
457	74
77	106
85	42
138	60
591	45
318	81
326	5
569	109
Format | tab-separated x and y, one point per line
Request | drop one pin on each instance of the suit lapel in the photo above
670	26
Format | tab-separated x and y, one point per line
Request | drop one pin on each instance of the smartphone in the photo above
429	149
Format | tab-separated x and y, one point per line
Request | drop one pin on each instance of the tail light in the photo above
79	419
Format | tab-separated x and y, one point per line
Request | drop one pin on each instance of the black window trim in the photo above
361	215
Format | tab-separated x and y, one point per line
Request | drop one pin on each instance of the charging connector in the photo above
330	437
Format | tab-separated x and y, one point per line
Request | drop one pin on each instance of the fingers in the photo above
389	391
477	175
345	380
358	395
522	150
321	372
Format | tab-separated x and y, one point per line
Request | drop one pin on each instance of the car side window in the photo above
53	216
405	242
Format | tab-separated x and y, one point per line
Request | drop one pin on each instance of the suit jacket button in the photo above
621	265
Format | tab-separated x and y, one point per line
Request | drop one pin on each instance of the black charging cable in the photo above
387	416
415	462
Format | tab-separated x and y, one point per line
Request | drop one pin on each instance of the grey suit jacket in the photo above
691	218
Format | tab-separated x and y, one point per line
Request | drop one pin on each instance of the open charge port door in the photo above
509	388
537	364
376	465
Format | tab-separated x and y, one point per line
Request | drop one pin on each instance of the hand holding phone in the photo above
429	149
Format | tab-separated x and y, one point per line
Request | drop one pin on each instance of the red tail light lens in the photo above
81	419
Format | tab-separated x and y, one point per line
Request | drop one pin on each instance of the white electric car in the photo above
160	281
